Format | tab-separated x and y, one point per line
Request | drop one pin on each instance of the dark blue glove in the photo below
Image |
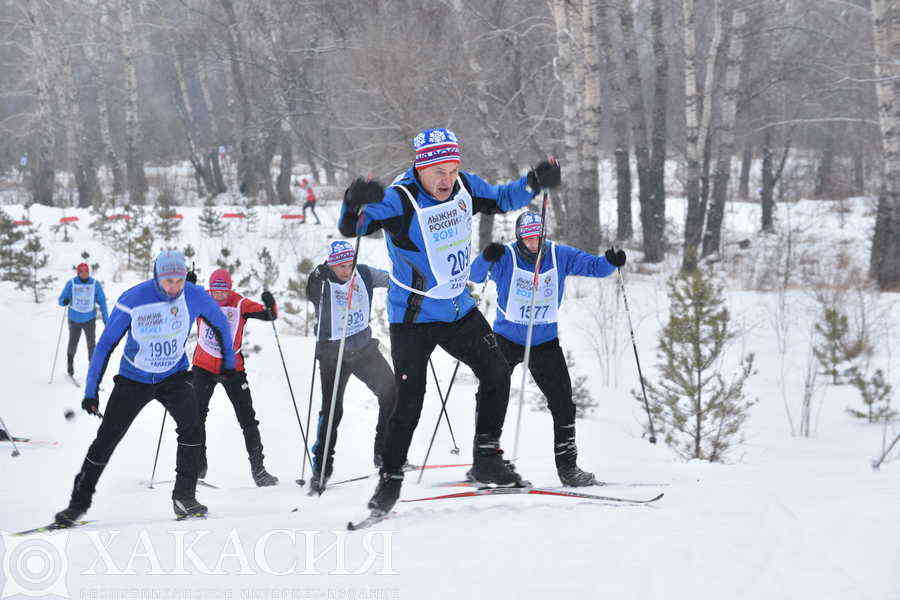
493	252
545	175
191	276
91	406
615	257
363	191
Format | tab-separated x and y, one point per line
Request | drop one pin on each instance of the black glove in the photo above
66	302
269	300
615	257
493	252
228	375
545	175
191	276
91	406
362	192
321	272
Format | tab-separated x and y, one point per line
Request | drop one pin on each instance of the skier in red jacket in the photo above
310	200
207	369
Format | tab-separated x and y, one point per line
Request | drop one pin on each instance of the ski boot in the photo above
489	467
314	488
386	494
187	507
575	477
70	515
261	477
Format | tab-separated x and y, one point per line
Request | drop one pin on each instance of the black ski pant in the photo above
127	399
470	340
75	329
311	206
547	364
370	367
238	391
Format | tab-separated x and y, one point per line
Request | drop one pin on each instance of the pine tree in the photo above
64	226
699	412
85	257
837	351
189	254
100	224
251	215
211	225
876	396
34	260
143	252
165	224
264	275
11	253
223	262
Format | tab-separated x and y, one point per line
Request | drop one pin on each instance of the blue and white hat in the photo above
340	252
529	225
435	146
170	264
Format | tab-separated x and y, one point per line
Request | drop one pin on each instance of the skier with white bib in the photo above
156	315
82	294
427	217
511	268
329	283
207	370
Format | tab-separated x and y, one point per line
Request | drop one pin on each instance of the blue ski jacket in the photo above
83	316
406	246
569	261
157	328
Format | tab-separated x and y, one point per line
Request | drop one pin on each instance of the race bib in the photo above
83	297
546	300
358	314
206	335
161	330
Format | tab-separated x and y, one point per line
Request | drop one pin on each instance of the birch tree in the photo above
134	139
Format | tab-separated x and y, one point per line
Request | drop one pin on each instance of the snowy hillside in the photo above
788	517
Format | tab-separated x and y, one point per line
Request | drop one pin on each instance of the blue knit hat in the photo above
340	252
435	146
169	264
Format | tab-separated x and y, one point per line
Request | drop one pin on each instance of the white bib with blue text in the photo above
83	297
161	330
518	300
206	335
358	314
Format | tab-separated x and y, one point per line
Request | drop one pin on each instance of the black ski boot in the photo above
314	488
187	507
261	477
386	494
567	469
488	465
70	515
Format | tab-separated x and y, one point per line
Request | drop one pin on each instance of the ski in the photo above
490	491
374	518
191	518
467	483
51	527
150	484
406	469
31	442
205	483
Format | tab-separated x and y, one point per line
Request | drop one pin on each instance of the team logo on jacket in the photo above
462	205
174	310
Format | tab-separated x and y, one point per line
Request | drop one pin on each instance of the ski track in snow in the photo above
789	518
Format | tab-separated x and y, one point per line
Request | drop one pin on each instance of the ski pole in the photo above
534	283
444	399
636	359
291	390
158	444
58	339
12	440
340	360
312	383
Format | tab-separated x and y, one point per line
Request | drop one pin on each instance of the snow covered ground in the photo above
788	517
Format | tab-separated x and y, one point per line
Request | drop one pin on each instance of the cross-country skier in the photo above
82	294
330	283
427	215
207	370
156	315
310	199
511	267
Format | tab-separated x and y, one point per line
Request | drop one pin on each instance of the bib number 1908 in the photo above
163	349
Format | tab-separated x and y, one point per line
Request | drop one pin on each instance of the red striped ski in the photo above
406	469
491	491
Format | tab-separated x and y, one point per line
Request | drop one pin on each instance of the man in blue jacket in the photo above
511	267
82	294
157	316
427	216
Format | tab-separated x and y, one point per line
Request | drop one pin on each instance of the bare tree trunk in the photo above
746	163
639	131
859	168
722	175
587	187
134	139
283	183
884	264
825	170
612	66
248	145
767	195
567	32
40	159
183	104
693	227
212	153
97	53
655	226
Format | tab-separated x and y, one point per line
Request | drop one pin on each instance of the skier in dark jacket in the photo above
511	267
82	294
327	288
156	315
427	217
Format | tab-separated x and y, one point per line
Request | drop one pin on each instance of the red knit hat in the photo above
220	280
82	268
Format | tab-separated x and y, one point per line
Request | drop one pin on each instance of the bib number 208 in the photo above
458	261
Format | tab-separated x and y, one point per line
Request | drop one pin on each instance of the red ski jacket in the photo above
237	310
